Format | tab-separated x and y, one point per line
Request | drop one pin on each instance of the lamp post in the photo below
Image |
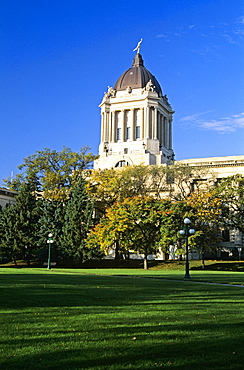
239	252
187	231
49	241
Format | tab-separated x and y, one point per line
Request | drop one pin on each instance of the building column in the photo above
170	134
107	126
142	123
132	112
160	128
155	125
123	125
165	131
102	127
113	129
147	123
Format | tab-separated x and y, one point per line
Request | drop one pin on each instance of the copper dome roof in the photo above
137	77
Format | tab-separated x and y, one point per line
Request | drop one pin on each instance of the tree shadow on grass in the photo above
188	347
222	266
30	290
39	290
94	322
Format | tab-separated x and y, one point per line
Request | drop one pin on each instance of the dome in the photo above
136	77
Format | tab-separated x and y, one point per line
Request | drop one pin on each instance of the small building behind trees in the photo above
7	196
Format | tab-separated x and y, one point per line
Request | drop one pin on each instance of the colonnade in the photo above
136	123
164	131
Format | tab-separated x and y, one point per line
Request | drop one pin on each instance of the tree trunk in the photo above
145	261
28	256
203	261
117	256
127	256
81	259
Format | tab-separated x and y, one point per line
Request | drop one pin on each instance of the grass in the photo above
96	319
221	277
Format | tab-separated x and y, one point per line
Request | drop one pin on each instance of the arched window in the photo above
122	164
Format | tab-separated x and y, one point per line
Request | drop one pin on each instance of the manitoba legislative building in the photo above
136	128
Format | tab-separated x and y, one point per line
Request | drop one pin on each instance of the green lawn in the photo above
120	319
222	277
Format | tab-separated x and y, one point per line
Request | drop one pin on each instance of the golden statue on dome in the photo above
138	47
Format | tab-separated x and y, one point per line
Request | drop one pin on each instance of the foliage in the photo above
207	216
25	226
52	173
176	182
131	201
140	224
231	192
173	223
78	219
9	235
183	179
19	225
112	185
159	180
51	221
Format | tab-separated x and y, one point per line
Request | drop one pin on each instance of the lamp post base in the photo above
187	274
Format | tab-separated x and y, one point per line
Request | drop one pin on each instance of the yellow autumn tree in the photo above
206	213
135	223
108	186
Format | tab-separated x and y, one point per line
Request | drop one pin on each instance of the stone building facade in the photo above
136	121
136	128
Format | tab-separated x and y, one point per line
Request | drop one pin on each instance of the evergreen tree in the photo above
19	226
26	215
9	246
51	221
78	221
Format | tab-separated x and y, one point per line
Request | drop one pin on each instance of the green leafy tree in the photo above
175	182
111	185
52	173
177	211
231	192
159	181
183	179
135	223
206	214
78	220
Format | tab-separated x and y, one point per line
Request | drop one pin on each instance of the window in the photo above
118	133
127	133
122	164
226	235
138	132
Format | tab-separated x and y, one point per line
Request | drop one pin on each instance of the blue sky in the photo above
57	57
